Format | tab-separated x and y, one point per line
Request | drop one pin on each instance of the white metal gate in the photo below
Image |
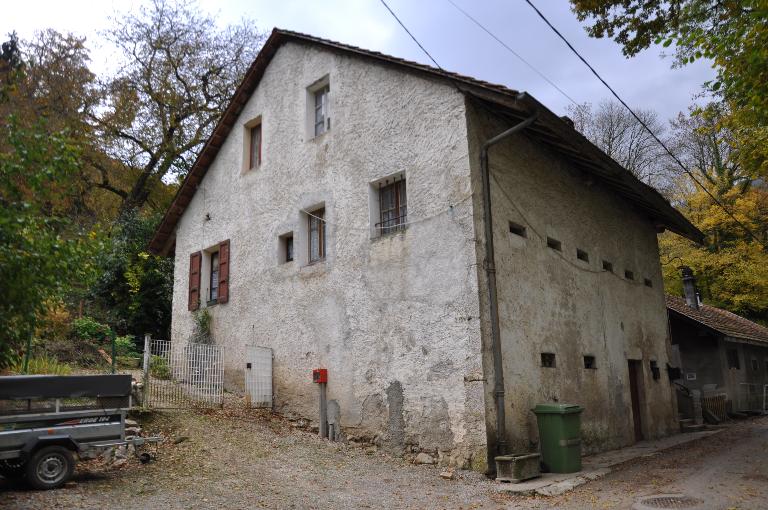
258	376
752	397
182	375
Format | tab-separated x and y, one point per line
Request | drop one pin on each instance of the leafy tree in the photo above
43	255
732	34
179	72
732	270
134	289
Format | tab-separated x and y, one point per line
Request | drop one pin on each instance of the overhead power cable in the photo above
653	135
412	36
512	51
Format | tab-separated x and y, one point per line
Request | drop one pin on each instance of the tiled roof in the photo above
727	323
549	129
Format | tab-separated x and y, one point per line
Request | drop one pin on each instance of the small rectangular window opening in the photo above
733	359
548	360
629	275
517	229
607	266
648	282
589	362
755	365
554	244
286	248
582	255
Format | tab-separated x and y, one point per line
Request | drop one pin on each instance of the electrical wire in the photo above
504	191
412	36
513	52
653	135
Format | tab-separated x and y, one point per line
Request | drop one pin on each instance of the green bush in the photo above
86	328
125	346
158	367
128	362
41	365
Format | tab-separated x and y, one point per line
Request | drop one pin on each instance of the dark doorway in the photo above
635	385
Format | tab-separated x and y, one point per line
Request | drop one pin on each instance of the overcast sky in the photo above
646	81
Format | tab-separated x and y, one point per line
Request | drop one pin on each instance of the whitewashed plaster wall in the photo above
393	319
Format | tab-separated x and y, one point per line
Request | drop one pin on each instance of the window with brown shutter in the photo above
223	290
194	281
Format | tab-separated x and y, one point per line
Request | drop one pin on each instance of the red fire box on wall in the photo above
320	375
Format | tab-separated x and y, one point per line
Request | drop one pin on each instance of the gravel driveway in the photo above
238	458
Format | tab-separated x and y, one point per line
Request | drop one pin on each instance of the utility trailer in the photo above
46	422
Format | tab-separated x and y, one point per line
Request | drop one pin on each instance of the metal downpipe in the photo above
490	270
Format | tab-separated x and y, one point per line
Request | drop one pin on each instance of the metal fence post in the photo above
145	389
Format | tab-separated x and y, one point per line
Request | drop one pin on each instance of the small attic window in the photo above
629	275
589	362
607	266
517	229
582	255
554	244
548	360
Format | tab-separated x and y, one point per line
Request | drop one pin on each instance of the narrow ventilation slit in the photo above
517	229
607	266
582	255
554	244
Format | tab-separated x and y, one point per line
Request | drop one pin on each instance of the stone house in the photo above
339	214
722	357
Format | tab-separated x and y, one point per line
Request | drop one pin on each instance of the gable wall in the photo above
395	319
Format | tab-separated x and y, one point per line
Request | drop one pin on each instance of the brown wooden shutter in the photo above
223	272
194	280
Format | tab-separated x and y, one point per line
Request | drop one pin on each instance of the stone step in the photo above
693	428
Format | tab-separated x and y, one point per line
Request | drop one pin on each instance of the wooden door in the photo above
635	381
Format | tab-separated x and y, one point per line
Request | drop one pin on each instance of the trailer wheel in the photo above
50	467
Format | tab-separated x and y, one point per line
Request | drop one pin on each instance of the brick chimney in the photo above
689	287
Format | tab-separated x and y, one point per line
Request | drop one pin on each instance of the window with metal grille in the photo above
316	231
254	160
322	114
393	206
214	293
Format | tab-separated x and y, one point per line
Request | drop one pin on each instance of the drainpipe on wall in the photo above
689	287
490	271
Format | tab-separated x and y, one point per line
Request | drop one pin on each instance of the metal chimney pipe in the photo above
689	287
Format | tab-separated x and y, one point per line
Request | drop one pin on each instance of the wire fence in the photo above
182	375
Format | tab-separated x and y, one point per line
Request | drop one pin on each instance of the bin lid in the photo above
557	408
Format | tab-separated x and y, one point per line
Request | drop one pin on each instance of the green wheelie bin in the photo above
559	437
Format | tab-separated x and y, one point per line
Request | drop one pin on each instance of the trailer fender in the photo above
36	443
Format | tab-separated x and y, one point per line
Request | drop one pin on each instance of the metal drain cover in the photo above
667	501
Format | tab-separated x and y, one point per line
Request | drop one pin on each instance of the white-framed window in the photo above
316	234
319	107
322	111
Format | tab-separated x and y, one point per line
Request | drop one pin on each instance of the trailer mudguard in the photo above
41	441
